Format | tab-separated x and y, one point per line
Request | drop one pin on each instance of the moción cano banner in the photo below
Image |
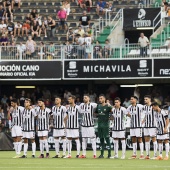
107	69
30	70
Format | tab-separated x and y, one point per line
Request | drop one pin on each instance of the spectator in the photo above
126	103
9	14
51	27
143	42
46	93
78	101
81	47
41	50
81	3
88	49
80	31
62	17
33	13
66	94
3	27
9	3
88	5
17	3
17	29
84	21
22	98
4	40
25	28
30	47
2	13
10	28
51	50
101	5
21	49
35	29
4	101
28	18
68	49
70	35
11	39
110	7
92	96
66	6
97	51
106	49
43	28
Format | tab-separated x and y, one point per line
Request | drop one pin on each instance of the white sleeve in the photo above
64	110
125	111
94	105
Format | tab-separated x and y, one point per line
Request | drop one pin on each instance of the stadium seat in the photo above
155	51
162	51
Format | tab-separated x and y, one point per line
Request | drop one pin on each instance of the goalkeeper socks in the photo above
93	141
141	148
123	147
46	146
64	146
25	148
108	146
69	147
116	147
155	148
56	141
167	149
78	146
84	144
42	146
102	146
33	148
134	148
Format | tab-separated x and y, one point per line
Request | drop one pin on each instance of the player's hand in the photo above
143	121
165	130
129	115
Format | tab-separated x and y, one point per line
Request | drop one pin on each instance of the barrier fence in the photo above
93	51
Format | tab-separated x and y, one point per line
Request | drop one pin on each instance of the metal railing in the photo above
93	51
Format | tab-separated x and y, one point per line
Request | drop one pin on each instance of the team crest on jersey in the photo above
104	109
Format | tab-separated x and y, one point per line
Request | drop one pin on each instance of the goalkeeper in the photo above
103	113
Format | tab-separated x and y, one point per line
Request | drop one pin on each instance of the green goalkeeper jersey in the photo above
103	113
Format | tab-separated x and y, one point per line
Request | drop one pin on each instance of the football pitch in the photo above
7	162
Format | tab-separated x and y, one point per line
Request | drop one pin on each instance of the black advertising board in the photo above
140	17
26	70
162	68
96	69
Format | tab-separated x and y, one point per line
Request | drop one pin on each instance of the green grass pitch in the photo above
7	162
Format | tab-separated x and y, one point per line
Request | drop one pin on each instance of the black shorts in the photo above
87	3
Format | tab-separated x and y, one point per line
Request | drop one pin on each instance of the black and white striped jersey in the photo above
73	113
150	117
161	121
119	118
136	115
28	120
17	116
87	111
43	119
59	113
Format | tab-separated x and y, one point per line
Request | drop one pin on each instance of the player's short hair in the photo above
134	97
27	99
102	95
41	100
117	98
154	104
14	100
58	97
86	95
147	96
72	96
